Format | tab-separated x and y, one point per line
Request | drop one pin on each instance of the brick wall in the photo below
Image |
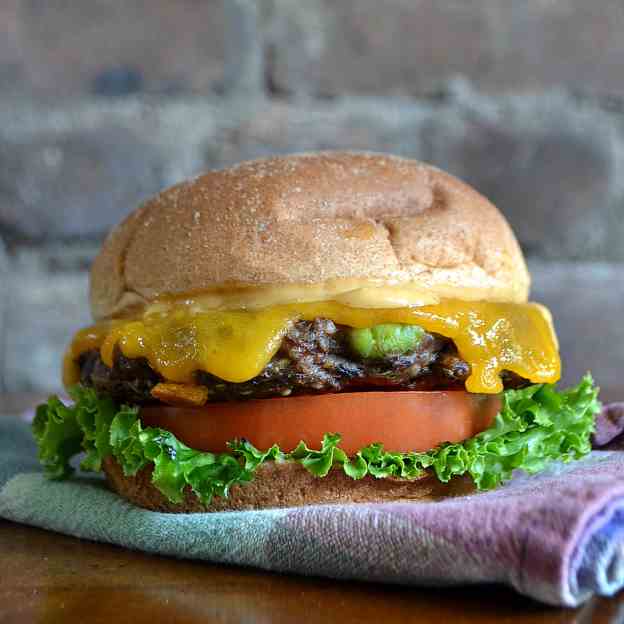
104	103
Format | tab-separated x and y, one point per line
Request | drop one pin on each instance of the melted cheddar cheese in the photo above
235	345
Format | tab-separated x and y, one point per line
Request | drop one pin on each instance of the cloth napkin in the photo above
557	537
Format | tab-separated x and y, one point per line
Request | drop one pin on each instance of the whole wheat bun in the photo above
308	220
285	485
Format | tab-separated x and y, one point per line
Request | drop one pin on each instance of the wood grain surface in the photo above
47	578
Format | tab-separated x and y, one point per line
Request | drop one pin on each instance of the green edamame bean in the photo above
387	339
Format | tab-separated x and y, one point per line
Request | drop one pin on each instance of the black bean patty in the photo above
314	358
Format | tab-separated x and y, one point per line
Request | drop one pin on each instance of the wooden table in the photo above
47	578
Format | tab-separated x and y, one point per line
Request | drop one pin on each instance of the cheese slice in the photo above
236	345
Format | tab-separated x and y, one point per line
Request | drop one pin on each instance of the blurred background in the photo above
103	103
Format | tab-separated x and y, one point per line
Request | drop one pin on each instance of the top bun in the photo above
308	221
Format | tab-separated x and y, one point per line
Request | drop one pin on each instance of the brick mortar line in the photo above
5	263
458	94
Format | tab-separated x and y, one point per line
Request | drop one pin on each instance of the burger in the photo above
315	328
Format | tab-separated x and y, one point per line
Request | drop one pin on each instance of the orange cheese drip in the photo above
237	345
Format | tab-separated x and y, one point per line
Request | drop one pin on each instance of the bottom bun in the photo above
285	485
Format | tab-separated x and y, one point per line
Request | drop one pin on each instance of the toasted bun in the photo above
308	220
285	485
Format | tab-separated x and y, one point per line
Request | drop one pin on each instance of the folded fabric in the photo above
557	537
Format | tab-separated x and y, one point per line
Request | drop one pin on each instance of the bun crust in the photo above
285	485
311	219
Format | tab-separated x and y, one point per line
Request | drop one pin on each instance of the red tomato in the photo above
401	421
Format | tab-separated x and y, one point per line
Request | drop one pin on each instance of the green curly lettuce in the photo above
536	425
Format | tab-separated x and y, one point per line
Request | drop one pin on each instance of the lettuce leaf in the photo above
536	425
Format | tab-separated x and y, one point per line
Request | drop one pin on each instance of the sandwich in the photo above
331	327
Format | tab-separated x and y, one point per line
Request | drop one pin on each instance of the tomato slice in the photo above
401	421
